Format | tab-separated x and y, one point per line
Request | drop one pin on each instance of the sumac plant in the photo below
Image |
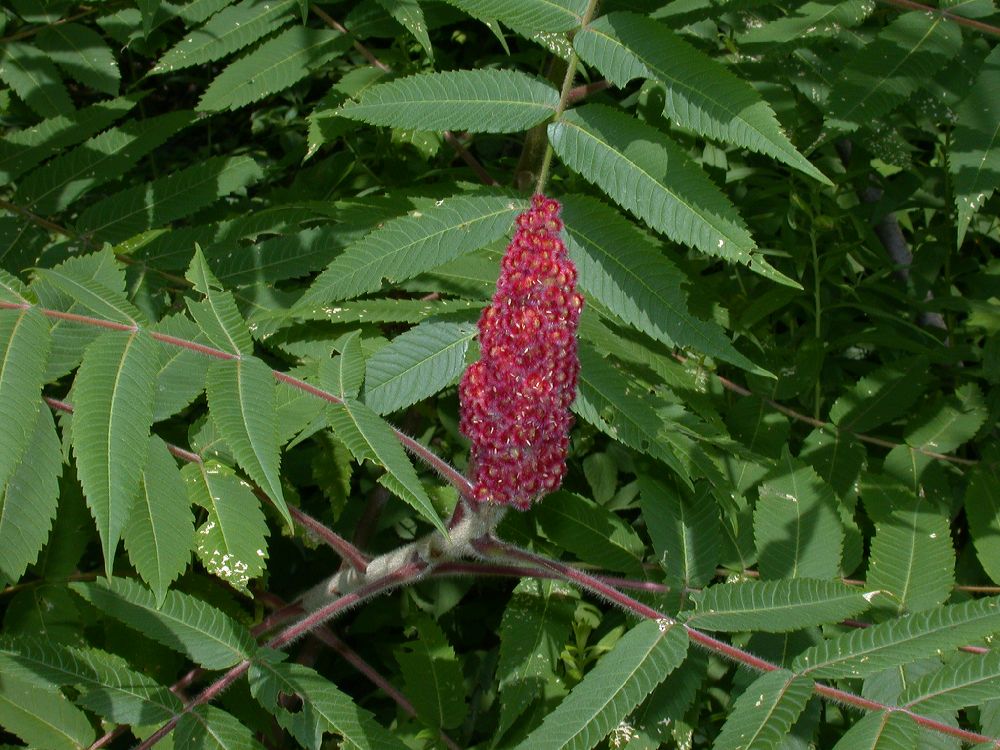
499	374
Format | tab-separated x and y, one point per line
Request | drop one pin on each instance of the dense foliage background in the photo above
244	247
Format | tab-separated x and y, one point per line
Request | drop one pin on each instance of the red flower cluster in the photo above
515	400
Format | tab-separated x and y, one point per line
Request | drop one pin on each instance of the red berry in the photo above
515	400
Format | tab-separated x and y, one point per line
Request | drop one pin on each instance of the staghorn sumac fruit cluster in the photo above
515	400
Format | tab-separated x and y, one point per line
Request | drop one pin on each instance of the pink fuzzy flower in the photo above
515	400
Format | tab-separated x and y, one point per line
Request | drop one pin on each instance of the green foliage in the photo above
243	248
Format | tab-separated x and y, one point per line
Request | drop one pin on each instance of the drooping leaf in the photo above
226	32
765	711
103	158
485	101
412	244
344	374
83	54
534	627
368	436
416	364
796	526
620	267
41	715
645	172
433	676
881	731
610	691
211	728
702	94
182	372
911	555
684	531
974	158
216	315
859	653
900	60
776	606
93	297
527	16
411	17
241	402
232	542
881	396
982	507
160	531
109	687
274	66
162	201
29	499
591	532
32	74
324	708
22	149
24	349
113	395
182	622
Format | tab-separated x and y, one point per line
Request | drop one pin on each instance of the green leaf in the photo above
944	424
810	20
24	349
433	676
684	531
409	245
167	199
775	606
411	17
22	149
526	16
416	364
796	526
610	691
324	708
181	377
702	94
12	289
109	687
859	653
982	507
104	158
902	58
966	680
285	257
41	715
765	712
344	374
591	532
226	32
881	396
211	728
216	315
384	310
83	54
241	401
480	101
92	296
113	394
272	67
535	625
32	75
621	267
645	172
182	622
911	557
28	501
370	437
974	157
881	731
160	531
604	400
232	542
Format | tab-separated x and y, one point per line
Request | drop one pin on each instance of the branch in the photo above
946	14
